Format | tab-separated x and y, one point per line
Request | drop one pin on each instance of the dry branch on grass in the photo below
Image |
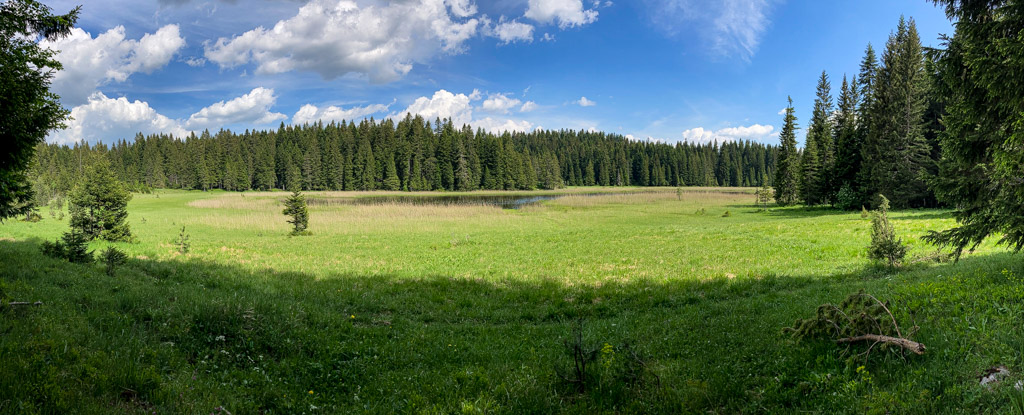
20	303
861	318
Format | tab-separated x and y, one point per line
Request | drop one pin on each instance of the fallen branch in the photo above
14	303
861	317
911	345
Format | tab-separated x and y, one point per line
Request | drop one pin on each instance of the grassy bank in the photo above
394	308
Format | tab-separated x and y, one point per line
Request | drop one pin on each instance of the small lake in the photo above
503	201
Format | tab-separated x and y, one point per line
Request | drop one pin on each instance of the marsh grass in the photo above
426	309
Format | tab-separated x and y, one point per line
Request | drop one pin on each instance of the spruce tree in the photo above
99	205
391	181
819	159
865	110
981	165
848	147
896	154
787	173
29	110
295	207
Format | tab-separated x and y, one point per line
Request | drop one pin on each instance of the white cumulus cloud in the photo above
584	102
528	106
756	132
442	104
107	119
502	125
310	113
381	40
513	31
109	57
567	13
459	108
500	103
252	108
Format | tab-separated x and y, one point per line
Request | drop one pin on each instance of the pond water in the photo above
502	201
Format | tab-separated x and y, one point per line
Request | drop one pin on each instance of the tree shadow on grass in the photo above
795	211
928	214
189	335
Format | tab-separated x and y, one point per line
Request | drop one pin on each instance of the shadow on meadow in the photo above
192	336
932	215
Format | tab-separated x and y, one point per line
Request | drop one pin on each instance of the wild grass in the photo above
400	308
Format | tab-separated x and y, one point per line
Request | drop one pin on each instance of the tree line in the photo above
880	137
411	154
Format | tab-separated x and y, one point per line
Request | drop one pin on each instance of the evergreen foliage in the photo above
819	153
112	258
295	207
885	245
788	165
99	205
29	110
980	172
848	148
182	242
896	154
764	196
73	246
411	155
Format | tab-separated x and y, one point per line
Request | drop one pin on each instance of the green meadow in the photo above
397	308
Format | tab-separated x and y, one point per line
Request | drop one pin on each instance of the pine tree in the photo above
295	207
787	173
810	175
825	130
866	80
391	181
885	245
982	161
818	159
848	148
29	109
896	153
99	205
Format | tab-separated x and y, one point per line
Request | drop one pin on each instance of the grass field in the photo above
394	308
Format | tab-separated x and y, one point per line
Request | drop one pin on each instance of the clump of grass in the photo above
700	212
726	214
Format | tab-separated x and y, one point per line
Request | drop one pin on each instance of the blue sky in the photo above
662	69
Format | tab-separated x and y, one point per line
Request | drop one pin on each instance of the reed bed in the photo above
266	217
697	197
